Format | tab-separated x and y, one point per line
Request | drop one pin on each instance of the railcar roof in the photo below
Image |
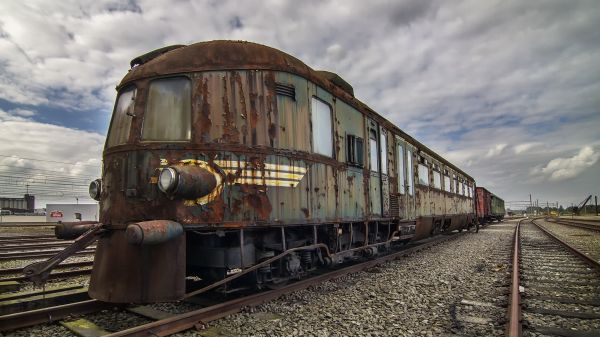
243	55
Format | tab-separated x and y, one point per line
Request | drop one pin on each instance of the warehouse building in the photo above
72	212
18	205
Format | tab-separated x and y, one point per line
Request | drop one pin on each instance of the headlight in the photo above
167	180
95	189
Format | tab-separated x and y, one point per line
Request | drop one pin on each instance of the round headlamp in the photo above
167	180
95	189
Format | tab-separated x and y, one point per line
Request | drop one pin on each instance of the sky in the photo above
509	91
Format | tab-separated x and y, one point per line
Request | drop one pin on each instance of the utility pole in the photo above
596	204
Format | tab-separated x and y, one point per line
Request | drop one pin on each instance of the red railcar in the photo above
488	206
483	204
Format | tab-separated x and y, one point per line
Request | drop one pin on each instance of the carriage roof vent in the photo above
337	80
153	54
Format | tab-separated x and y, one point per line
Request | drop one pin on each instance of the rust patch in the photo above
204	107
244	110
230	132
305	212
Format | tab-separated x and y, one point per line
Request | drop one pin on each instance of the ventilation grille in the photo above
394	206
285	90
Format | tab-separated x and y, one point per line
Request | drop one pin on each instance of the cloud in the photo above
56	162
521	148
565	168
23	112
499	88
496	150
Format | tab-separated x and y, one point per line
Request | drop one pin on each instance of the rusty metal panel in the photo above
293	123
352	198
289	200
321	192
236	107
127	273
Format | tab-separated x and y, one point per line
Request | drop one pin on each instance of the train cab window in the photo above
401	183
121	120
384	161
322	128
168	115
354	150
437	180
423	175
373	162
410	174
447	183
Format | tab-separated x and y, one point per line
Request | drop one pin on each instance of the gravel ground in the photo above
455	288
586	240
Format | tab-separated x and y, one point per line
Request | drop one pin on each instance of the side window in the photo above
410	174
446	182
437	180
373	162
121	120
384	161
168	115
455	178
423	175
322	128
354	153
401	183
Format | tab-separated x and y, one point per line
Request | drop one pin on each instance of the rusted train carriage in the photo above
226	156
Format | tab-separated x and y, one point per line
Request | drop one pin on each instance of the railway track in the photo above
591	225
27	224
555	287
166	323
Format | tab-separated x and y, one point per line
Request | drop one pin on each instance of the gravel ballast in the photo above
455	288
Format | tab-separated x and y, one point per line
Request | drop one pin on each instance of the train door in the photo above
375	193
409	154
385	176
401	177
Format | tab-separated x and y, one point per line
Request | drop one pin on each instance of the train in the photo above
234	164
489	207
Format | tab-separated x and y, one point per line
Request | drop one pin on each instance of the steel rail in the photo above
52	276
27	224
50	314
588	260
18	237
197	318
514	326
565	222
33	246
12	271
39	254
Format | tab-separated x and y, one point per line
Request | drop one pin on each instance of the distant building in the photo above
18	205
72	212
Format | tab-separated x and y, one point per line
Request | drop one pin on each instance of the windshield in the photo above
168	111
121	121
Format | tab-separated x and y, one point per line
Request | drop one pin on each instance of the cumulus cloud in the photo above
497	87
564	168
